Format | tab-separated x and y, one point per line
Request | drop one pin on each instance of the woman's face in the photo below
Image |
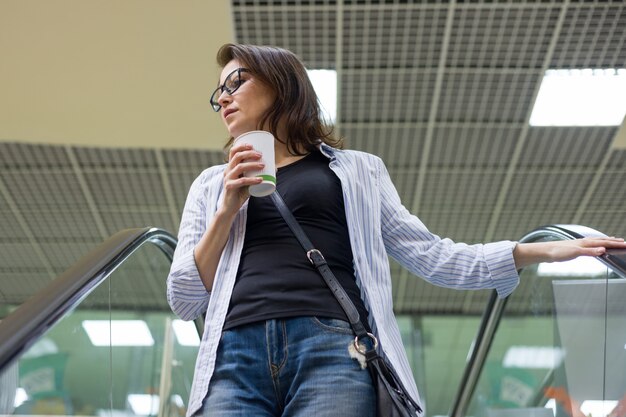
242	111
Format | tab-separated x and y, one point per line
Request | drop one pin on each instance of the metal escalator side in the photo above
526	358
101	338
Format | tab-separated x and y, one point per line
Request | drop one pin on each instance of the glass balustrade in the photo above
120	352
560	348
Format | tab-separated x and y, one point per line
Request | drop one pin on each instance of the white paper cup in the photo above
262	142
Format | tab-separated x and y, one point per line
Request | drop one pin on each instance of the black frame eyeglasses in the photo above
231	84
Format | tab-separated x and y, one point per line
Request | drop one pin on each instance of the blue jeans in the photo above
296	367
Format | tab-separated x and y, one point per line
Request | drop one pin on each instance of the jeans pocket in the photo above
333	325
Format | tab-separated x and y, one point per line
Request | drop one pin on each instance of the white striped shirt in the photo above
379	226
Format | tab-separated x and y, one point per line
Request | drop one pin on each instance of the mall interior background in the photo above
105	122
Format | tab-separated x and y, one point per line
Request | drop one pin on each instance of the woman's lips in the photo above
228	112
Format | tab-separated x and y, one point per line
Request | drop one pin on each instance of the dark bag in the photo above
392	399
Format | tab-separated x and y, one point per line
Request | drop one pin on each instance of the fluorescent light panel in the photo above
20	397
584	266
597	408
533	357
186	333
144	404
325	85
584	97
118	332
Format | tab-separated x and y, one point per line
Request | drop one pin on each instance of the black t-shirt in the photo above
275	279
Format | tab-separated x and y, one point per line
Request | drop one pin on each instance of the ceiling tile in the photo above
501	36
580	147
391	96
400	147
593	36
473	147
487	96
43	190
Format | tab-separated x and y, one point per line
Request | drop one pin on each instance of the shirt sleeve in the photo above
186	293
442	261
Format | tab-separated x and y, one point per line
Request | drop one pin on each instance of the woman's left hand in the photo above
564	250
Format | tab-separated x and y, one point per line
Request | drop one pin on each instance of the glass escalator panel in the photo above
120	352
560	348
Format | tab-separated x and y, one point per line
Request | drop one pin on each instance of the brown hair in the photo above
296	102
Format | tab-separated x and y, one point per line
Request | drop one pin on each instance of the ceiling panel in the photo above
122	219
547	191
307	31
181	182
192	160
63	253
43	189
406	185
609	194
617	160
419	296
574	147
593	36
26	156
487	96
516	223
609	222
126	188
15	287
461	225
392	37
63	225
459	191
16	257
501	37
474	147
10	229
399	146
390	96
115	158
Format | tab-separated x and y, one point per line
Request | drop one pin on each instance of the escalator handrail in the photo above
20	329
495	309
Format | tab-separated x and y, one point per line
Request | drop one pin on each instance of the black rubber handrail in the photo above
495	308
20	329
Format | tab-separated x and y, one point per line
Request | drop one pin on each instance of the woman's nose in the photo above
224	99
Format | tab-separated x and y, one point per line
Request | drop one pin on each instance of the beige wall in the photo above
113	73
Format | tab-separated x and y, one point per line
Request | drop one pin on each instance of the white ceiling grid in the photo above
441	90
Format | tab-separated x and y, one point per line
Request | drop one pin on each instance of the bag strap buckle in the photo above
315	252
363	350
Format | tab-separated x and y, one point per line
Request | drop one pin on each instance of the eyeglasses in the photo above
232	82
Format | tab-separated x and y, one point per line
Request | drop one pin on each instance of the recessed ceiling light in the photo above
118	332
584	97
325	85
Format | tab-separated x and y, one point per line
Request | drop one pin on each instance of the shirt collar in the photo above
327	151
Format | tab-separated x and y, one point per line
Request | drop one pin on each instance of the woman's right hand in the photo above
241	158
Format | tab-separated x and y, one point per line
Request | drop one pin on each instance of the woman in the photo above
276	341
